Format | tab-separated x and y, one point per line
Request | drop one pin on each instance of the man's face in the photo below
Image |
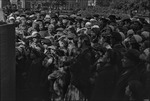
126	62
50	29
12	21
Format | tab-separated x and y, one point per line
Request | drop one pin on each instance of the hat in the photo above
31	16
35	34
112	27
92	20
95	26
133	55
145	34
117	36
88	25
60	29
138	38
11	18
96	15
47	17
46	41
18	18
122	35
130	32
52	47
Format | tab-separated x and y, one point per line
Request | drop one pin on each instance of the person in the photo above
134	91
130	63
81	68
107	77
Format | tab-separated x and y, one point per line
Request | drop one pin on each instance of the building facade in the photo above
70	4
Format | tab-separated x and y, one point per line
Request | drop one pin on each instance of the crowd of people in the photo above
72	58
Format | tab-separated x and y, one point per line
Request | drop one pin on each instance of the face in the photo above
40	25
78	25
35	40
50	29
12	21
23	20
126	62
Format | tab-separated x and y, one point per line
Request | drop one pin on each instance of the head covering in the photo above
95	26
88	25
18	18
112	27
117	36
122	35
35	34
92	20
138	38
60	29
133	55
47	17
145	34
11	18
130	32
52	47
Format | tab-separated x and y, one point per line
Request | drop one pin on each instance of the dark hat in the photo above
23	15
37	11
46	41
96	15
117	36
112	17
133	55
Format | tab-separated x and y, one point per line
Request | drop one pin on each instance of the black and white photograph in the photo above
74	50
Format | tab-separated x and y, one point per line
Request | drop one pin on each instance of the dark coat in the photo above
125	78
105	84
81	72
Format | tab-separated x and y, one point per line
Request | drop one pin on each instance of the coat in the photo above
81	72
105	84
125	78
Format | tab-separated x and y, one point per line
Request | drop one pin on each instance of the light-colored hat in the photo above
92	20
47	17
95	26
122	35
145	34
130	32
138	38
88	25
11	18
